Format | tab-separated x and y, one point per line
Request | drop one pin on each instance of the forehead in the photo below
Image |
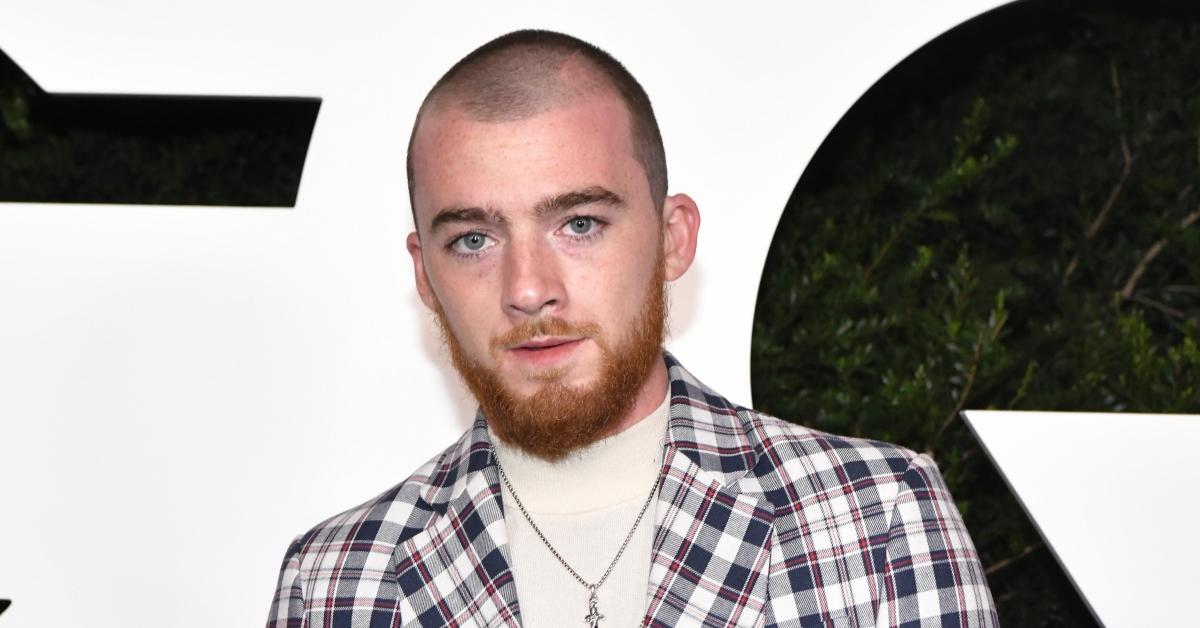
462	161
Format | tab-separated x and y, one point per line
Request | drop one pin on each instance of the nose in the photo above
532	282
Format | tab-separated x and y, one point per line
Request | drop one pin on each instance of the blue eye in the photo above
472	242
581	225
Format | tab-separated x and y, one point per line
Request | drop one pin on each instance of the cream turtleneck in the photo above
585	505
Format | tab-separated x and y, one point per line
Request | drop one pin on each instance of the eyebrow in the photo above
550	205
465	214
569	200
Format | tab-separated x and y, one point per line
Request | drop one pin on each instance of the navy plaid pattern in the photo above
758	522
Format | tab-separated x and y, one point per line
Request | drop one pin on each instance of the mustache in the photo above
549	326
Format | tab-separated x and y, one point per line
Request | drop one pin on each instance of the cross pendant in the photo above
593	617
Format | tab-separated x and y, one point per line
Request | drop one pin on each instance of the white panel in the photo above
1116	498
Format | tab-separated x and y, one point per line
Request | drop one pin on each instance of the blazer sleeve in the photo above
931	572
287	608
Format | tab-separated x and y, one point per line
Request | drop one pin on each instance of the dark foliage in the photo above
1007	221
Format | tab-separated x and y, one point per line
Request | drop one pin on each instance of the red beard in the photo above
559	419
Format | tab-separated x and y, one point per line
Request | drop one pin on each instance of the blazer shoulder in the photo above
797	455
775	432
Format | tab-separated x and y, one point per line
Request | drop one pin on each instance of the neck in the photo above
614	469
647	399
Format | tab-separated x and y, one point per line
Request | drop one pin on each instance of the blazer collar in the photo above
712	541
708	428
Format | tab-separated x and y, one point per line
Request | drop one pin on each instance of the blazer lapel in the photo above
712	546
456	571
712	551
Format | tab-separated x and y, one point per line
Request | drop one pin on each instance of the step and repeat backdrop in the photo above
188	382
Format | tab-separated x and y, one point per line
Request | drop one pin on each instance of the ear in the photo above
422	278
681	225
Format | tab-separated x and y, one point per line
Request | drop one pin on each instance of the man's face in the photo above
539	244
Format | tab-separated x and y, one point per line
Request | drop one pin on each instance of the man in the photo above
602	484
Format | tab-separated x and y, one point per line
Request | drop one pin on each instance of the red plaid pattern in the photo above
758	523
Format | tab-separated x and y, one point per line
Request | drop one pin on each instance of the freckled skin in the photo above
531	266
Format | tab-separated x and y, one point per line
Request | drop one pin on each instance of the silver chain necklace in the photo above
593	617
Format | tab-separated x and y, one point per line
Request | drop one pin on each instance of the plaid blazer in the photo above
758	523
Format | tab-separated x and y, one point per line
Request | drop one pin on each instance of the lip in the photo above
546	342
546	350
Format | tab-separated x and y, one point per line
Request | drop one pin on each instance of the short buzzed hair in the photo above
518	76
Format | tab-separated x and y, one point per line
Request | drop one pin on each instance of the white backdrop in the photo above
184	389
